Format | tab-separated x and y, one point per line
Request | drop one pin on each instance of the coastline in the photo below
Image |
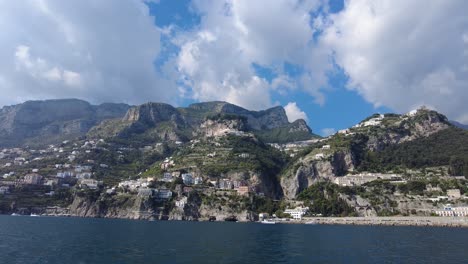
389	221
433	221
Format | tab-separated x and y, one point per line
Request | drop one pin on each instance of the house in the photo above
19	161
326	147
454	193
187	178
84	175
298	212
167	177
198	180
33	178
52	182
164	194
181	202
225	184
65	174
244	155
243	190
90	183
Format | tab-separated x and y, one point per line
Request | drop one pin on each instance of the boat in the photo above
35	215
15	214
268	222
311	223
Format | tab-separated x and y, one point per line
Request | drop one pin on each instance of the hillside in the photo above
379	143
51	121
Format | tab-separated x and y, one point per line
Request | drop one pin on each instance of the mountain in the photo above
161	122
459	125
50	121
369	145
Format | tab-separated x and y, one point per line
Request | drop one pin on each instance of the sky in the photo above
332	63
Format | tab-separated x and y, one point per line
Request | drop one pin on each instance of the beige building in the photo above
243	190
33	178
454	193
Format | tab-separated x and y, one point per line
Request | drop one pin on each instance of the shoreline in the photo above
389	221
432	221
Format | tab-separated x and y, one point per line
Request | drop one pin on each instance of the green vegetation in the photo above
449	146
283	135
323	198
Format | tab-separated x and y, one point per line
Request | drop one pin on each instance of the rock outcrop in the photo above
306	171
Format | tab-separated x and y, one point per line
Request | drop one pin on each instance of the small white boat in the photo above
268	222
311	223
15	214
35	215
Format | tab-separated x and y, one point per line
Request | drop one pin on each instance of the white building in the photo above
319	156
452	211
181	202
198	180
298	212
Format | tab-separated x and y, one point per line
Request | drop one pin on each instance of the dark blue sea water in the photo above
26	239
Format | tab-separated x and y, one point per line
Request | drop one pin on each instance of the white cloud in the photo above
328	131
216	58
294	112
95	50
404	53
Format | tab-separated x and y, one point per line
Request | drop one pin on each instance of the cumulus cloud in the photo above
294	112
403	54
216	59
95	50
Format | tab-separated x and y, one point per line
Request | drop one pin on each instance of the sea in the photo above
25	239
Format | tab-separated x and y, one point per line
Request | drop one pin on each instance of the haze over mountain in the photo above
52	121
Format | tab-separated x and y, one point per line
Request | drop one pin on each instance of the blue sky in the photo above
331	62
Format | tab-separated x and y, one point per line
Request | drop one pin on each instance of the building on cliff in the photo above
298	212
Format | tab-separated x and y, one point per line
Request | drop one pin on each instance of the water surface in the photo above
26	239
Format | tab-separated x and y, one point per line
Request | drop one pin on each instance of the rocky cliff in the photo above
182	124
306	171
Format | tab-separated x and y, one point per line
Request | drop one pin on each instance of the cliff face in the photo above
146	208
217	128
307	171
122	206
52	120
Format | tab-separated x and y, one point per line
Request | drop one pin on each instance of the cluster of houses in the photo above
63	175
375	121
142	187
